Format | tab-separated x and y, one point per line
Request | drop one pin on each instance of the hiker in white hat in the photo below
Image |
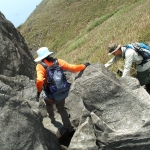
45	56
42	53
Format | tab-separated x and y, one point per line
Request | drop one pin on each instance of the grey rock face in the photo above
20	120
15	58
119	109
84	137
21	126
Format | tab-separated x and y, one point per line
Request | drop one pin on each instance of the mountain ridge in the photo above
80	31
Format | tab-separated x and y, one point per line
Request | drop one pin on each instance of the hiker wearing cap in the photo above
44	55
130	56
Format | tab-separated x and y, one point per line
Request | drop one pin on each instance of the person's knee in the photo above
60	106
61	110
142	81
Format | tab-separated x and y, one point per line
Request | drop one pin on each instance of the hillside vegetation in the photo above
79	31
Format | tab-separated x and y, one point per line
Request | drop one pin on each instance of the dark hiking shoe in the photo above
71	133
53	121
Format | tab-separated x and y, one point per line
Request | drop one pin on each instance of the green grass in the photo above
99	21
75	45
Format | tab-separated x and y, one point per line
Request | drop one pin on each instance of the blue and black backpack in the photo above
56	85
142	49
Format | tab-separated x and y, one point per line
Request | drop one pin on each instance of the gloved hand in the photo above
38	94
87	64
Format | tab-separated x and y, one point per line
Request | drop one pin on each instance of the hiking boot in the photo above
147	88
53	121
71	133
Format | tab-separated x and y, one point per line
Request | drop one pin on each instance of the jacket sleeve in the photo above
41	72
71	67
112	61
128	62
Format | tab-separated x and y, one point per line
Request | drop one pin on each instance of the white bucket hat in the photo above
42	53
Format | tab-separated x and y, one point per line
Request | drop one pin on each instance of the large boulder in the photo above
21	125
118	108
15	58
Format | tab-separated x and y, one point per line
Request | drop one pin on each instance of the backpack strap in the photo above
124	52
128	46
136	50
55	62
44	65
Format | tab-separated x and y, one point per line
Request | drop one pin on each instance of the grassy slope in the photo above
80	30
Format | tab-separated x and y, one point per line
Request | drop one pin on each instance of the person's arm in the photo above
112	61
128	62
41	72
71	67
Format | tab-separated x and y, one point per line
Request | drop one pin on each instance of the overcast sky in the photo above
17	11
